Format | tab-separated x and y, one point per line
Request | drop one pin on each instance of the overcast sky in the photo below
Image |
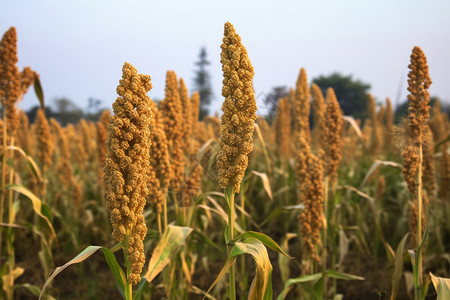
79	47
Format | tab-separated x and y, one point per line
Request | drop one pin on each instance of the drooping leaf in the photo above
265	239
137	295
355	127
300	279
117	271
38	91
171	241
343	276
343	246
263	143
35	290
8	282
316	280
442	287
205	238
375	166
398	266
12	225
77	259
266	183
31	163
283	261
37	203
261	287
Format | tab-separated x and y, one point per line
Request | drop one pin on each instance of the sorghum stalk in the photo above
238	118
331	144
10	92
414	137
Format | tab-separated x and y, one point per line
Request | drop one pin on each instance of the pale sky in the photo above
79	47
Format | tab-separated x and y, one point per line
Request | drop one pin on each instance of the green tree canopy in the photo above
271	100
202	83
351	94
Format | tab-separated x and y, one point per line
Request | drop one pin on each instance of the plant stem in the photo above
418	281
229	194
2	195
128	286
165	212
325	233
159	224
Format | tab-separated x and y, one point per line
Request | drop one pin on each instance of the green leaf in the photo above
35	290
317	288
31	163
300	279
275	213
32	288
138	294
171	241
206	239
77	259
316	280
442	287
37	203
38	91
229	191
343	276
46	211
375	167
261	287
266	183
398	266
117	271
265	239
283	261
412	256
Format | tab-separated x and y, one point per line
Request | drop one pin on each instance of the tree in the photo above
351	94
202	83
271	100
67	112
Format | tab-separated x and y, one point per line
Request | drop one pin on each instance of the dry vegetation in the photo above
357	208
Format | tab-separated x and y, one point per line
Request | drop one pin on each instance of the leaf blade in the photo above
37	203
171	241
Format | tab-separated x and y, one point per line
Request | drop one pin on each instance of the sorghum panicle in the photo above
239	110
127	163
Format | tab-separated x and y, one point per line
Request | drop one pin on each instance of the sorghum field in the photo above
151	203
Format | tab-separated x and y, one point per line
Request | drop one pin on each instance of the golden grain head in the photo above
159	158
45	143
312	197
418	111
302	105
282	125
319	105
195	108
330	138
186	110
127	163
10	89
239	110
171	108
